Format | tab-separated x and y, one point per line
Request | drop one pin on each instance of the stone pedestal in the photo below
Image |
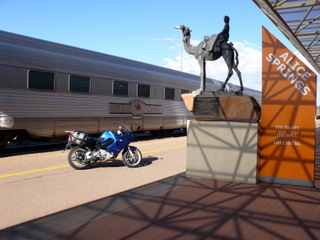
229	107
221	150
222	142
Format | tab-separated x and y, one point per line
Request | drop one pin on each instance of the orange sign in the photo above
287	128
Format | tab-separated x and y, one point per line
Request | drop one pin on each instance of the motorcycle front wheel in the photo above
77	157
132	158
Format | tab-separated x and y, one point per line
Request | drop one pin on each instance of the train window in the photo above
169	93
143	90
79	84
41	80
120	88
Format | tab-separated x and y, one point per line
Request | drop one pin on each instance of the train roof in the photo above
35	53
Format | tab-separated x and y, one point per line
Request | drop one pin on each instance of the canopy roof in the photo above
299	21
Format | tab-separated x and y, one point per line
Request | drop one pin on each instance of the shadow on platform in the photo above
181	208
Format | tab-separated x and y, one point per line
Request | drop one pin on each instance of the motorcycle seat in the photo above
105	142
98	139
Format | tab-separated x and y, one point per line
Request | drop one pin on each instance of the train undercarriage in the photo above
21	137
18	137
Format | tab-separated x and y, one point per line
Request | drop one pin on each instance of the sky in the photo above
143	30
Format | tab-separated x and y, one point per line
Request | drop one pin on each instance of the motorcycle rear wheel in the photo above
76	158
132	159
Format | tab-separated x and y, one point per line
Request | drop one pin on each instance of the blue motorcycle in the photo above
87	149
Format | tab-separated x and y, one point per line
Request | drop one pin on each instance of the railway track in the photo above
38	147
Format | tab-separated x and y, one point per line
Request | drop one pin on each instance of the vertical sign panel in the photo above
287	129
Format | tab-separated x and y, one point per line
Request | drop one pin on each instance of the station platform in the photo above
181	208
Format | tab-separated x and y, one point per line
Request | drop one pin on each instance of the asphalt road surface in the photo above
35	185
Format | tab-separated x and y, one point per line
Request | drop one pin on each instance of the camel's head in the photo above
185	31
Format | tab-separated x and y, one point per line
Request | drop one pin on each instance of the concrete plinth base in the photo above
222	150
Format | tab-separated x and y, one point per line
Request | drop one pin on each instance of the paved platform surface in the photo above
181	208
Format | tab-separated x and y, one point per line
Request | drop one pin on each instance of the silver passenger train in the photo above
47	88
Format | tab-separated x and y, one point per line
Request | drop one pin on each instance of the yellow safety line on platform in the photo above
164	149
32	171
46	169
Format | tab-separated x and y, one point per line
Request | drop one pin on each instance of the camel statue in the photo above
210	49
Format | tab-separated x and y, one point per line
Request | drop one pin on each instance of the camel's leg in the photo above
235	67
202	65
228	58
239	76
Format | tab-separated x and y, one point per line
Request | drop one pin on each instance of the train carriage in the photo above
46	88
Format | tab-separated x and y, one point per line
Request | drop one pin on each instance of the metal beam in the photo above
297	5
293	29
